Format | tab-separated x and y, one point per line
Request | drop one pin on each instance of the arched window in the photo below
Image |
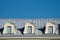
50	28
29	28
9	28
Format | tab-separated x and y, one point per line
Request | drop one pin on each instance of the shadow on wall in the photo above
59	28
1	30
21	30
42	29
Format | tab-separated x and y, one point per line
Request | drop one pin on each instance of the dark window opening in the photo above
59	28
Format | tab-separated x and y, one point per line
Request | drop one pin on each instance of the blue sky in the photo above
29	8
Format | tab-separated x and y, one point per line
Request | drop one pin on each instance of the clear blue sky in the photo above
29	8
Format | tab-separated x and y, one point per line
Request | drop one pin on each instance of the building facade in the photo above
37	26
